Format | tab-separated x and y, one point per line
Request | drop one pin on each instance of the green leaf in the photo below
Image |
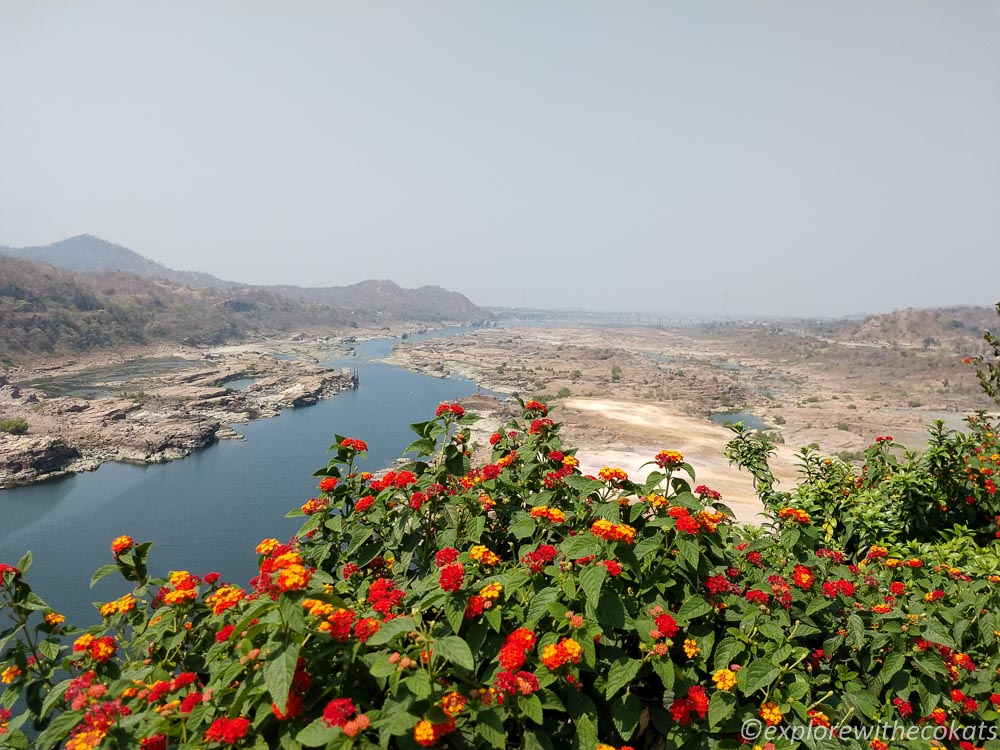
726	652
317	734
863	701
931	633
391	630
591	579
419	683
892	664
720	708
523	528
648	546
454	612
857	629
583	485
817	604
582	545
621	673
24	563
625	711
50	649
531	706
690	552
757	676
586	733
455	650
278	673
695	606
103	572
664	669
610	610
489	726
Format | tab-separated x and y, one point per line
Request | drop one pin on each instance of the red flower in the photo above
666	625
212	578
539	425
189	702
445	556
118	546
364	503
154	742
417	499
539	558
536	406
354	444
327	484
495	438
103	649
224	633
338	712
383	596
365	628
612	566
226	730
452	577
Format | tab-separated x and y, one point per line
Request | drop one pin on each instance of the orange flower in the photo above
556	654
612	475
613	532
121	544
669	459
54	618
724	679
453	703
224	598
267	546
550	514
795	514
770	713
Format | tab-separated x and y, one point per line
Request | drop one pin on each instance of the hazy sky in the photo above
805	157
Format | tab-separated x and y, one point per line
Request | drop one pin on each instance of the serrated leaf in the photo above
531	706
391	630
489	726
625	711
693	607
892	664
582	545
720	708
591	579
454	649
621	673
648	546
757	676
278	673
318	733
523	528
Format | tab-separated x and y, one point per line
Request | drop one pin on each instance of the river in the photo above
208	511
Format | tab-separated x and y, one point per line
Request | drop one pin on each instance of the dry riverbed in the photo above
626	393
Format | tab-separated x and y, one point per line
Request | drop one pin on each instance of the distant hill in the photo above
432	303
917	326
382	300
47	311
86	253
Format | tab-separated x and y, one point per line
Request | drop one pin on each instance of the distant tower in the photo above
523	297
725	304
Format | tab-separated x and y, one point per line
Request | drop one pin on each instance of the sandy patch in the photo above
649	428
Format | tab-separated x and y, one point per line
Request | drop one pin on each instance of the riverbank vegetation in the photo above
519	603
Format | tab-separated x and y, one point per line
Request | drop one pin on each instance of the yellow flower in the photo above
267	546
484	555
423	732
10	674
770	713
691	648
724	679
491	591
54	618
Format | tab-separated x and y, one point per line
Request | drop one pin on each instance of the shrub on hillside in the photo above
15	426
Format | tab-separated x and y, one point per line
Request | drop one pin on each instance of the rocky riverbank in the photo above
153	418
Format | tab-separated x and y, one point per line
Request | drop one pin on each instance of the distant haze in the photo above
767	158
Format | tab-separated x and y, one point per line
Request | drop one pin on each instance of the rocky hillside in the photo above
47	311
377	300
88	254
432	303
929	327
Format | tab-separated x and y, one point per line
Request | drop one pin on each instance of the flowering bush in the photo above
512	604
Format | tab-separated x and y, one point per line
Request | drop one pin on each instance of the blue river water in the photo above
208	511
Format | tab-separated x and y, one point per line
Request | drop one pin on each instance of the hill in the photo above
930	327
383	300
86	253
431	303
47	311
